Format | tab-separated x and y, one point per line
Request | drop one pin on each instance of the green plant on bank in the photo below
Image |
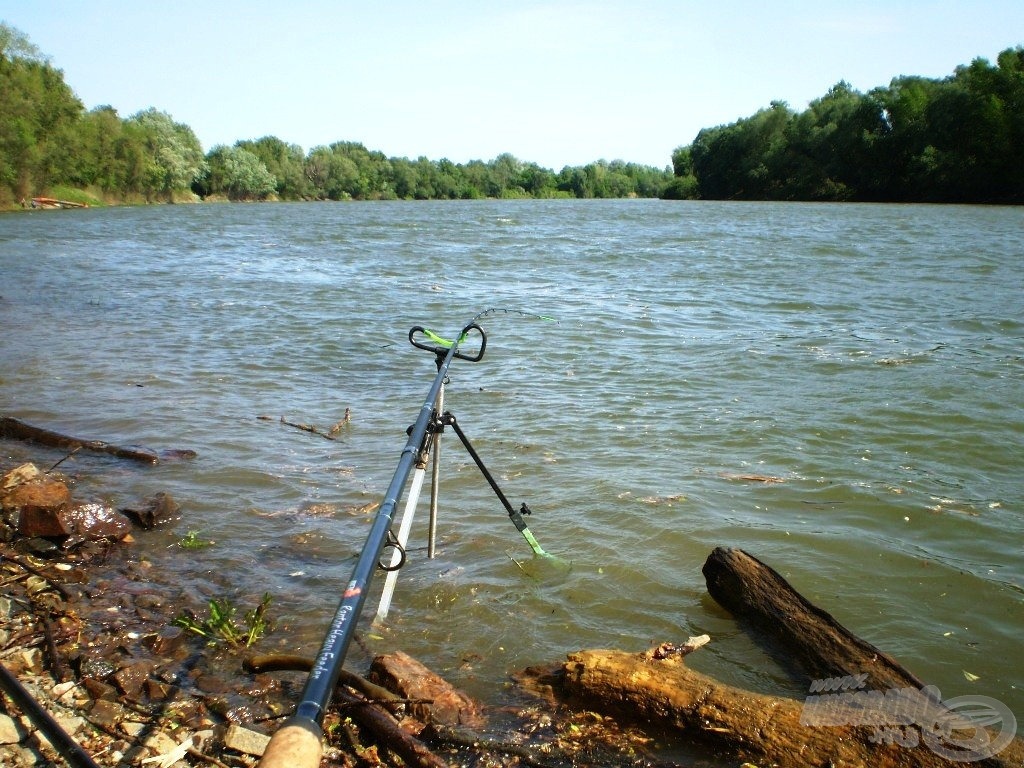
220	625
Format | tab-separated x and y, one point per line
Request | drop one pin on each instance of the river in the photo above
836	389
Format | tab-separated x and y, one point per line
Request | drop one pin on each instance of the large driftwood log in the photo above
800	634
739	725
19	430
869	711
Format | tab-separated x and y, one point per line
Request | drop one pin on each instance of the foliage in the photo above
173	157
48	139
237	173
220	625
38	113
959	139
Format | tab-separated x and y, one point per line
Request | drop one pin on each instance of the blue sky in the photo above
556	83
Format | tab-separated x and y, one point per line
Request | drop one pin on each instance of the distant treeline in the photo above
49	144
959	139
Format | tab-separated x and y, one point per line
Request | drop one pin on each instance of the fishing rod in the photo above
61	741
298	743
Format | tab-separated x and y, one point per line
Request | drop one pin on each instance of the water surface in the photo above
865	358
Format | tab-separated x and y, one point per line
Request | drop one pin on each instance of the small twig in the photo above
56	662
15	579
76	449
36	572
207	758
331	434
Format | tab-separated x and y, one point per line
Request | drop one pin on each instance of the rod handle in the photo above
293	745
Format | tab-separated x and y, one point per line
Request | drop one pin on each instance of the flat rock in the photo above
10	733
245	741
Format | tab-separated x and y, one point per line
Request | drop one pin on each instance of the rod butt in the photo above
296	744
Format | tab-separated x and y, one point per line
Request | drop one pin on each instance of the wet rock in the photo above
131	679
158	509
159	692
90	520
167	642
107	712
402	673
37	546
96	669
40	505
213	684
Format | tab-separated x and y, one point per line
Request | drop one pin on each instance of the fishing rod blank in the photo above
298	743
61	741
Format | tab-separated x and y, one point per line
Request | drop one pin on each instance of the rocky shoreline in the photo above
87	629
91	633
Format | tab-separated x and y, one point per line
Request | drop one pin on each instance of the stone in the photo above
160	743
26	473
10	732
167	642
40	505
403	674
91	520
106	712
245	741
130	679
70	724
160	508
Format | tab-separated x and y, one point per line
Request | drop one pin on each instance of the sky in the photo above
553	83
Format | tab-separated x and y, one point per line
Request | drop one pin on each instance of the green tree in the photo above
830	151
238	173
38	114
285	162
734	161
174	156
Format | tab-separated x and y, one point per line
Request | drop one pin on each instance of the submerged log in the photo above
16	429
799	633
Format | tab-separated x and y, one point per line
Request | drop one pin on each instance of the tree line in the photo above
49	143
959	140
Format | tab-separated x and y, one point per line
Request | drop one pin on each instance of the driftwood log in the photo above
897	722
738	725
16	429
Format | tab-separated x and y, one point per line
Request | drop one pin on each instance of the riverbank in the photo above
92	636
59	198
88	628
